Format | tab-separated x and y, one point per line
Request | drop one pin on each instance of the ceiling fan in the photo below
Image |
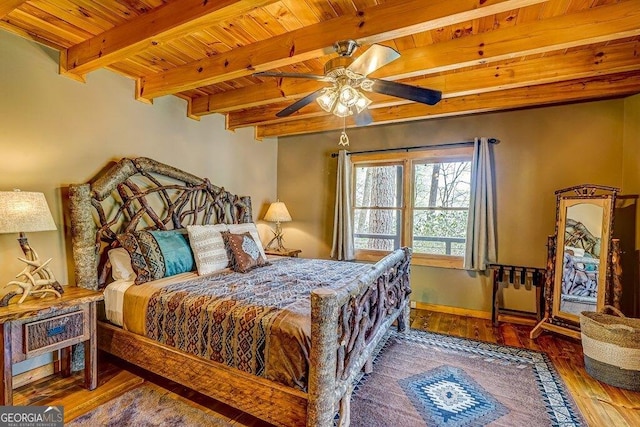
348	77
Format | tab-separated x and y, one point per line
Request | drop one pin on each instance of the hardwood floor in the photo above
601	404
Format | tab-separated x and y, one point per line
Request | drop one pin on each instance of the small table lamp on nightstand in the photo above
20	212
277	213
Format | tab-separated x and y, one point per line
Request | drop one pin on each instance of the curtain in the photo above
481	233
343	247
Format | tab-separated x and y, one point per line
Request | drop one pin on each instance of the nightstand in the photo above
39	326
293	253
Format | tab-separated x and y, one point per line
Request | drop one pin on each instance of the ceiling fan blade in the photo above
363	118
375	57
294	75
299	104
401	90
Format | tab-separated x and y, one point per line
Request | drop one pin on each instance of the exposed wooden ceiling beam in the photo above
30	35
599	87
374	24
515	73
6	6
272	90
591	26
172	20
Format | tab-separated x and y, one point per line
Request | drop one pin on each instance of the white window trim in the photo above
406	238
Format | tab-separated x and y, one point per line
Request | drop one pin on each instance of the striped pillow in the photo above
208	247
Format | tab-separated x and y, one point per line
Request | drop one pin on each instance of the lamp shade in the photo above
277	212
24	211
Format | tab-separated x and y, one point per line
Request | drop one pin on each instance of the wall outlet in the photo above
412	304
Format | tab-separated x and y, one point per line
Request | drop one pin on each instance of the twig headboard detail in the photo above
136	194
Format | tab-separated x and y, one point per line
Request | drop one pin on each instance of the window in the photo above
418	199
378	206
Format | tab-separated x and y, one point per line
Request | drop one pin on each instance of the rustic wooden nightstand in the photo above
39	326
293	253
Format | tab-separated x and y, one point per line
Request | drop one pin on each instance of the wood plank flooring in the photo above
601	404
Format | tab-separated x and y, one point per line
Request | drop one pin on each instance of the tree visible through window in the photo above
378	207
432	219
441	207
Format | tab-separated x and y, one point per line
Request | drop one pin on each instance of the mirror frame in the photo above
608	280
565	202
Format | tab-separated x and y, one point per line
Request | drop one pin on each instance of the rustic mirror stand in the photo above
583	261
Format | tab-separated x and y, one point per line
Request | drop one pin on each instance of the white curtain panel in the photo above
343	247
481	233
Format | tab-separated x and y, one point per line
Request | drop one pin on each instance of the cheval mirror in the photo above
581	254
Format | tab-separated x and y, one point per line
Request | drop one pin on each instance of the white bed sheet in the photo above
114	300
114	294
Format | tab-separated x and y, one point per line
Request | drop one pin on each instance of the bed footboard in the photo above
346	327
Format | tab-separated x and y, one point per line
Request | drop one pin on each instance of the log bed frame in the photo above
346	325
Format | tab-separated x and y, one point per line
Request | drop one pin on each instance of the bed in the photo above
346	308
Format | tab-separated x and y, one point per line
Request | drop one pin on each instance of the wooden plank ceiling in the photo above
484	55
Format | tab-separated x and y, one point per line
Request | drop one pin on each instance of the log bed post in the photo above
83	234
321	407
346	327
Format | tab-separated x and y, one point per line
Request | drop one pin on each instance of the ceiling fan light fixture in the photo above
343	100
362	102
328	99
348	95
342	110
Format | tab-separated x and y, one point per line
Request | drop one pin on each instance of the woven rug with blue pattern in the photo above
427	379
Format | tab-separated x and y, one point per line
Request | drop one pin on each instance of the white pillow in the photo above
252	229
121	264
208	247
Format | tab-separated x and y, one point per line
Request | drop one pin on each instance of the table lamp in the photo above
277	213
20	212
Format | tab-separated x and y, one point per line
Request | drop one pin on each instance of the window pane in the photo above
378	186
374	244
444	184
440	232
377	229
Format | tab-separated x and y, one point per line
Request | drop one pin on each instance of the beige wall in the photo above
540	151
55	131
631	155
631	185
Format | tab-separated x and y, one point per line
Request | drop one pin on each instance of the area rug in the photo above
419	379
426	379
146	406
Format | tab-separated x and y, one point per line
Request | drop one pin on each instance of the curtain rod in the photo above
419	147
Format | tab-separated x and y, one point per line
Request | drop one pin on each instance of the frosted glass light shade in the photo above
362	103
24	211
348	95
277	212
341	110
328	99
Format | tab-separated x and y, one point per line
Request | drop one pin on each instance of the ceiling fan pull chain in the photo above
344	139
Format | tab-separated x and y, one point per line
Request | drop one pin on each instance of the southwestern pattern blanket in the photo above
258	322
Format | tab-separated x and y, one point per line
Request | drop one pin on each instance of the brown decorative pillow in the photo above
244	252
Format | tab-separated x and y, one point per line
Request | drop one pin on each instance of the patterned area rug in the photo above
146	406
426	379
419	379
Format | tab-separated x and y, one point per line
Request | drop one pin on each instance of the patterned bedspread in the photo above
258	322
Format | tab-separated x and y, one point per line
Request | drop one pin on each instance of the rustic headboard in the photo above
136	194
